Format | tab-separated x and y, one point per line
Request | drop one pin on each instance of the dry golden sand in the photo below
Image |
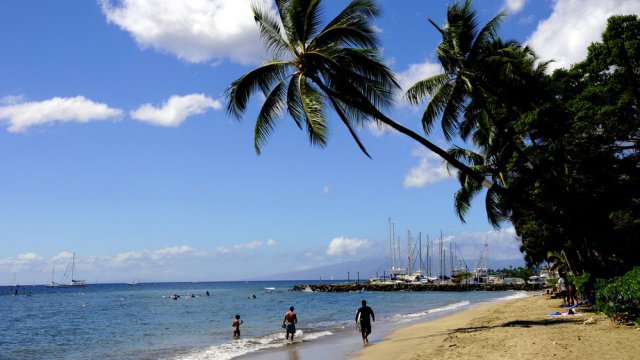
517	329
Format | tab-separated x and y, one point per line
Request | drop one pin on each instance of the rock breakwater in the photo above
415	287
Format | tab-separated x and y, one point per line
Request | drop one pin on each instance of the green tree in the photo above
587	140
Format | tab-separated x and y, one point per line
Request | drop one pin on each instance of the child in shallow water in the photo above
236	326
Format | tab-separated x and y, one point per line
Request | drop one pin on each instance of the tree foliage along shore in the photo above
558	153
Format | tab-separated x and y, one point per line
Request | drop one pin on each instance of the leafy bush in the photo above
583	284
620	297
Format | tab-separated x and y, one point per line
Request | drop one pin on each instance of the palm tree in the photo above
486	86
462	53
316	67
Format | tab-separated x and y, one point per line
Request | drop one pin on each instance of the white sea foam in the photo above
407	317
237	348
516	295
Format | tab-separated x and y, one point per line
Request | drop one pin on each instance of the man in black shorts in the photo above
289	323
364	316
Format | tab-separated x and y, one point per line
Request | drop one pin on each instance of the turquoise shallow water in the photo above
117	321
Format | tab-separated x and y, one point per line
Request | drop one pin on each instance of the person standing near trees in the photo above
562	284
364	316
571	294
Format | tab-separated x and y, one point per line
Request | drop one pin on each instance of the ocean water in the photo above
118	321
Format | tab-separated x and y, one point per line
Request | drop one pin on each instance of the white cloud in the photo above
155	256
63	256
417	72
325	189
30	256
223	250
27	261
430	170
22	115
175	111
195	30
342	246
245	246
248	246
572	26
514	6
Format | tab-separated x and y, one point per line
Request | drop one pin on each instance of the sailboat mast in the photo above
409	248
420	249
451	257
390	245
73	265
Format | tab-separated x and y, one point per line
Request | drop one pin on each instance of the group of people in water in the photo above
364	318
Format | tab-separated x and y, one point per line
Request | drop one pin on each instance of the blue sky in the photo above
114	143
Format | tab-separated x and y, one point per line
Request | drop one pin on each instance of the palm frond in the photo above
452	110
262	78
272	108
356	32
312	105
351	26
435	106
365	9
354	73
304	17
469	188
270	31
494	214
425	88
312	20
468	156
488	32
294	101
347	122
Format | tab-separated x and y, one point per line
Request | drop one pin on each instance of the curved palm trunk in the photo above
369	108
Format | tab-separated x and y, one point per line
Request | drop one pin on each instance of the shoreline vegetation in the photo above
512	329
354	287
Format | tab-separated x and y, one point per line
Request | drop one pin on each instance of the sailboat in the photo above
53	284
73	282
396	274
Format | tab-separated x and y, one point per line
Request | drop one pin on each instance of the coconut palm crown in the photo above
313	68
462	53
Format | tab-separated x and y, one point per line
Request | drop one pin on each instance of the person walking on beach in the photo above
364	316
289	322
236	327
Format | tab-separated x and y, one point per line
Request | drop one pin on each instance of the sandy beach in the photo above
516	329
